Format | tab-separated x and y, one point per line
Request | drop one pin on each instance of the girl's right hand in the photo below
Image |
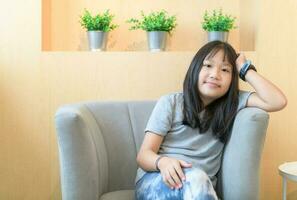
171	171
241	59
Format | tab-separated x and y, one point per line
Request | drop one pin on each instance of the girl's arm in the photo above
147	154
267	96
170	168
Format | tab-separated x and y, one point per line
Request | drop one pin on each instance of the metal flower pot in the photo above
157	40
97	40
218	35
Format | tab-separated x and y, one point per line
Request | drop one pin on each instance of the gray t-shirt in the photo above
183	142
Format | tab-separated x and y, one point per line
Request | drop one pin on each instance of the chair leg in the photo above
284	188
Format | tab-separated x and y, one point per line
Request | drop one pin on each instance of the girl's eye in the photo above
206	65
225	70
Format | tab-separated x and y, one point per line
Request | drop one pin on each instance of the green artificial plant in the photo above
154	21
217	21
99	22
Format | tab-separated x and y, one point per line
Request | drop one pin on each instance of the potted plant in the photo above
157	25
218	25
97	28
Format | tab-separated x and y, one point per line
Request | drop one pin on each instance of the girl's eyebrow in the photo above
227	64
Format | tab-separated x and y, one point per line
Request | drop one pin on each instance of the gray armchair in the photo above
98	143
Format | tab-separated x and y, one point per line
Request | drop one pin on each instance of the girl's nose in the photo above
215	73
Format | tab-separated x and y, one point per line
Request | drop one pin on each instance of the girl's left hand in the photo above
240	61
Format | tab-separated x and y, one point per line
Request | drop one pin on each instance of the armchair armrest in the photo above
83	158
241	159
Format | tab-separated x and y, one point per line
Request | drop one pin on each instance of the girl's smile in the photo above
212	84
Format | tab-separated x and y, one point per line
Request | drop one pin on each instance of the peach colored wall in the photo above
46	25
34	83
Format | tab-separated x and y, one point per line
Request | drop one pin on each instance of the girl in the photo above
186	132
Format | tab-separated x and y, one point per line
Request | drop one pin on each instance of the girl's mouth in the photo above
211	84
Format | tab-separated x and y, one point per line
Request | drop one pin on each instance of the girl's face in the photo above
214	78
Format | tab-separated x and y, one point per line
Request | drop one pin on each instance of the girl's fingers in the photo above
170	180
184	163
172	174
175	178
166	182
180	173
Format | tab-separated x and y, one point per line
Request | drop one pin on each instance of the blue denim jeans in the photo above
197	186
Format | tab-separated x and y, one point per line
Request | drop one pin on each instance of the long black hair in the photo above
219	114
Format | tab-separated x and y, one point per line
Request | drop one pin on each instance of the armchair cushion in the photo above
117	195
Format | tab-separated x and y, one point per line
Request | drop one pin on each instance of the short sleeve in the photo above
242	99
160	120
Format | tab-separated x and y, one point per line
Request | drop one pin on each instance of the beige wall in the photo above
24	149
276	49
34	83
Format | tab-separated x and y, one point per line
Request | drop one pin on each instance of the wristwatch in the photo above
245	68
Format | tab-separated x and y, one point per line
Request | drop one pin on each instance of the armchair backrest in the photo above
122	127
